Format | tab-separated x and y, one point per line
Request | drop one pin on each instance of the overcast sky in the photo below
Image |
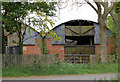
73	12
84	12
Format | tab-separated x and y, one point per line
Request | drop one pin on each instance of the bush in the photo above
58	60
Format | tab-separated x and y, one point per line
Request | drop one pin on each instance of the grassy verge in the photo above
37	70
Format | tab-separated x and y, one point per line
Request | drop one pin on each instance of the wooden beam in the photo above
72	30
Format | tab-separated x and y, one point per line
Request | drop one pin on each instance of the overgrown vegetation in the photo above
38	70
58	60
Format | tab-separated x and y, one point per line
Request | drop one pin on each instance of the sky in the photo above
73	12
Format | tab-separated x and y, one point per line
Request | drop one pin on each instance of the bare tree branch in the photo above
105	10
113	17
92	6
111	8
58	4
99	8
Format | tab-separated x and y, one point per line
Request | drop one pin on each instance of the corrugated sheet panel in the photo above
30	41
96	34
38	35
60	31
59	42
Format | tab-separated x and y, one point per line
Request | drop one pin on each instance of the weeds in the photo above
39	70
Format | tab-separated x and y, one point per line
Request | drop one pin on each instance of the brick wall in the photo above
110	46
36	49
52	49
32	49
97	49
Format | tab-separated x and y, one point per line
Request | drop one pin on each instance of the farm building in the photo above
77	37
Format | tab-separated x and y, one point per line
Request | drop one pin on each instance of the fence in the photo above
23	60
75	60
84	60
96	59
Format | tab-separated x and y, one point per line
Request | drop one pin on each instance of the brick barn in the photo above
77	37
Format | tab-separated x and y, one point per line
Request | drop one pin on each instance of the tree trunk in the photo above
0	29
43	39
20	48
2	37
3	42
20	44
103	46
119	43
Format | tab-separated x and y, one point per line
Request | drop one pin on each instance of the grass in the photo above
37	70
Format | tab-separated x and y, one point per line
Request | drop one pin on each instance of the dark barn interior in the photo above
79	39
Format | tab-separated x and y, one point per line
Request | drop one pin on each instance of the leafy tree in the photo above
112	26
102	10
117	9
115	14
15	12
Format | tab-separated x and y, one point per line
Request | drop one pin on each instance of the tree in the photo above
102	10
115	14
43	24
0	29
112	26
15	12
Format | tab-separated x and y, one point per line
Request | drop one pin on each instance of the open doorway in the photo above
79	40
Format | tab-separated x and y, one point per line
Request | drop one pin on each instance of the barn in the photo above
77	37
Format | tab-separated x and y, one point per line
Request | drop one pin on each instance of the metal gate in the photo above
75	60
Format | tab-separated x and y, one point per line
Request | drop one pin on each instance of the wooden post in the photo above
91	60
90	41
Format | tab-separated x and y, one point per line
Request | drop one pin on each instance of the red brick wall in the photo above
35	49
53	49
97	49
110	46
32	49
